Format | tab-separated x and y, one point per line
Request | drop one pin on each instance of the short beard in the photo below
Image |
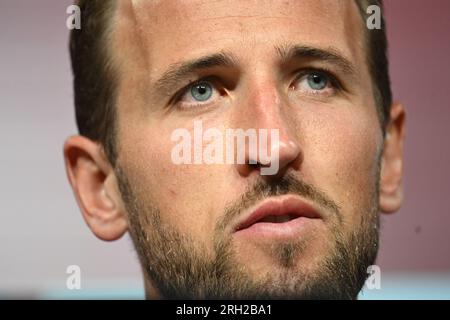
179	268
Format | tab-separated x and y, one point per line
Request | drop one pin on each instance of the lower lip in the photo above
284	230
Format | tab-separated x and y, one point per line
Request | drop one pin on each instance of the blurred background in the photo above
42	231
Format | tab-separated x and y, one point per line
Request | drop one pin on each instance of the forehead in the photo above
162	32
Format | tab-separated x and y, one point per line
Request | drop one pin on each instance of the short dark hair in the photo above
95	80
94	74
377	59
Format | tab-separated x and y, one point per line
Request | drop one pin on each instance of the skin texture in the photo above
329	140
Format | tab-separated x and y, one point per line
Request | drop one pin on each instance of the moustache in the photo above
264	188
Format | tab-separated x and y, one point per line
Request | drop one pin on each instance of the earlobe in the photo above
391	189
95	187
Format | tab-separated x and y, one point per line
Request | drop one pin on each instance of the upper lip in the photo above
292	206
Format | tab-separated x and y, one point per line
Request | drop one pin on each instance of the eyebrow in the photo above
329	55
179	71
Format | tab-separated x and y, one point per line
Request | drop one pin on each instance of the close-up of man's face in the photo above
305	68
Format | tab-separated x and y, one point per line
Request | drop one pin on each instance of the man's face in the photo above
187	220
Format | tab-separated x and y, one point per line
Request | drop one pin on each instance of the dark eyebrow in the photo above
329	55
179	71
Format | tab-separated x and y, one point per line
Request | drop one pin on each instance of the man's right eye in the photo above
199	93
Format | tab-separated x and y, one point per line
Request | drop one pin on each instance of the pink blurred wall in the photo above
418	237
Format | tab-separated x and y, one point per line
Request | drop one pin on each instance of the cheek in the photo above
343	160
185	194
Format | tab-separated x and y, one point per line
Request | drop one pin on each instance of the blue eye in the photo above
201	91
317	81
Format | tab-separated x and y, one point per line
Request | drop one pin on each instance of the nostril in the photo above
253	165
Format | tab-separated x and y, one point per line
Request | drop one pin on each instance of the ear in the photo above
391	189
95	187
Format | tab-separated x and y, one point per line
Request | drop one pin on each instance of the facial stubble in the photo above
180	268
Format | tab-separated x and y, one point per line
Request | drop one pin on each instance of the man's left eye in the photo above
317	81
313	82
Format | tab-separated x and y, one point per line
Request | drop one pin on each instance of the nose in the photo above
278	150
